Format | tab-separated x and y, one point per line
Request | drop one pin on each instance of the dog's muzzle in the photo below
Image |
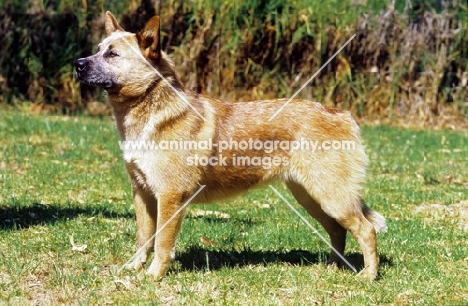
92	75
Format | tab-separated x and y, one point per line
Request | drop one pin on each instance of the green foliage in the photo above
407	61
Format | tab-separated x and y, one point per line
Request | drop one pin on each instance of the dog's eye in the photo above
112	53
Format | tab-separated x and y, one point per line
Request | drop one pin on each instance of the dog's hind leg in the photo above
365	234
342	203
336	232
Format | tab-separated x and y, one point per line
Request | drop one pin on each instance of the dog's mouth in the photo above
85	78
102	84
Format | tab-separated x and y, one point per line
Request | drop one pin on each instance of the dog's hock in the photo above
148	39
111	24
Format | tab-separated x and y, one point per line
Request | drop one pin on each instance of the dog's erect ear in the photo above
111	24
148	39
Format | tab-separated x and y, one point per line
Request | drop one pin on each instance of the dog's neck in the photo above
160	105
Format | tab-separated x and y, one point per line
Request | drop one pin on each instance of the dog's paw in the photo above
138	261
136	264
368	274
155	274
157	269
336	262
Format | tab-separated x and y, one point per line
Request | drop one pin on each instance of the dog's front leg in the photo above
146	214
170	216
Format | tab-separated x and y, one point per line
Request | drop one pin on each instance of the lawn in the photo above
67	226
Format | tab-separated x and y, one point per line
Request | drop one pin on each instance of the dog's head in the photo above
125	63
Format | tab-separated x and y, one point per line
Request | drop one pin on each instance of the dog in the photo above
151	105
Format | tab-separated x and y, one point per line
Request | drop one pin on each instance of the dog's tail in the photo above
377	220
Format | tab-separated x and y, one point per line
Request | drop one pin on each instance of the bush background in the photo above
407	63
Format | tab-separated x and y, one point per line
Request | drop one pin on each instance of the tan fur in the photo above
146	108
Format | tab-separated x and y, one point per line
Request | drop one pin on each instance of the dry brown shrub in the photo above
402	67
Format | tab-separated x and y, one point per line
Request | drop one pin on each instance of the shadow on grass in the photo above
244	220
17	218
195	258
198	258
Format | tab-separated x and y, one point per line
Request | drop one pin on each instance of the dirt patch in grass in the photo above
457	212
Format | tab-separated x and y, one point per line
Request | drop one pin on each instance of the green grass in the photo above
63	180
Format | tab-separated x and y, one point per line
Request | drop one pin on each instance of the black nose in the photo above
81	65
